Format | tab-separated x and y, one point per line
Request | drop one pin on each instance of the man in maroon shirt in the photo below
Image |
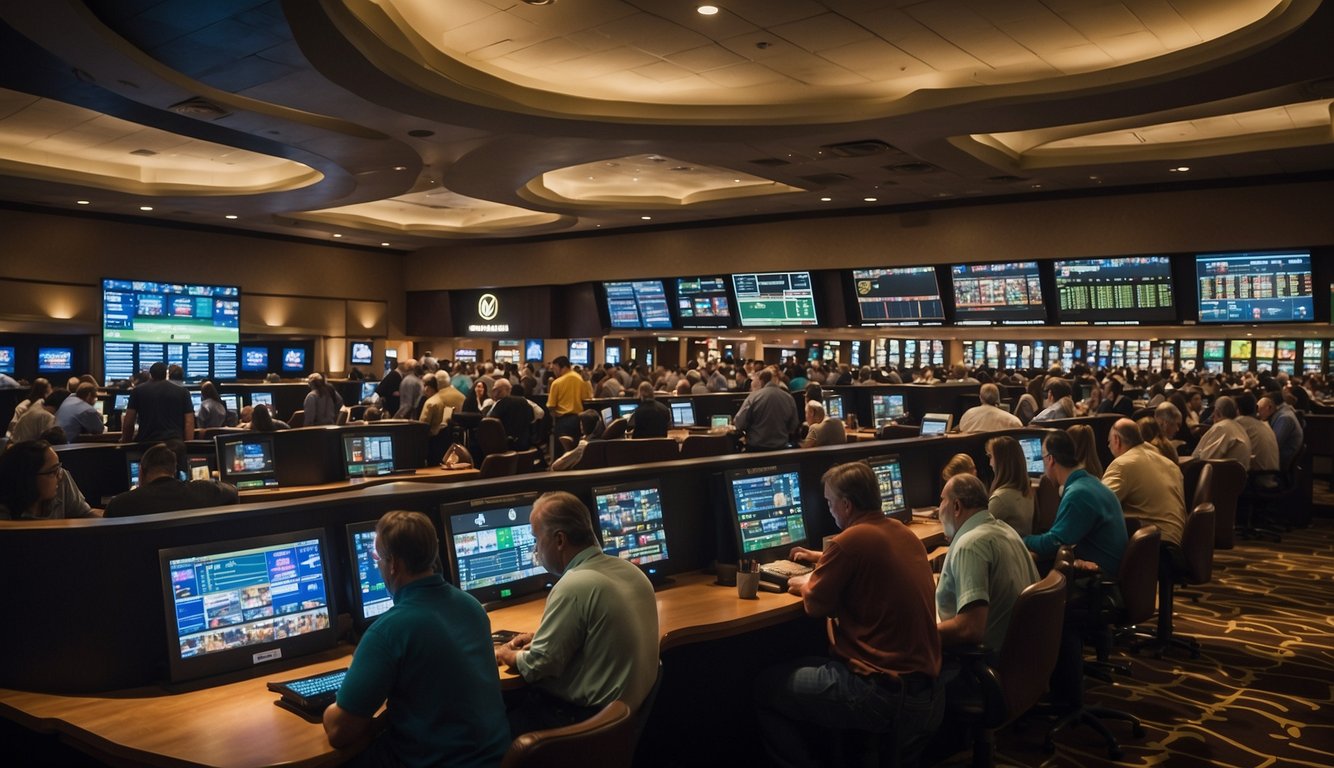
874	585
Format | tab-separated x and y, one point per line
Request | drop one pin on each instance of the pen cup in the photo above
747	584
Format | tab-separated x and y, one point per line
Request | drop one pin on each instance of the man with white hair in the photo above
823	431
989	416
1226	439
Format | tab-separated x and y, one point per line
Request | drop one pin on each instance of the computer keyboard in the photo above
311	695
784	569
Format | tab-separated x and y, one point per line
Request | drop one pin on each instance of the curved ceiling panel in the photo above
788	60
649	181
437	212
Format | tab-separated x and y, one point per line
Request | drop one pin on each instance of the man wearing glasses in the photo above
1089	516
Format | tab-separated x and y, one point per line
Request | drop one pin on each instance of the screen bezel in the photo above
696	322
68	352
1134	316
779	551
936	418
355	600
1251	256
652	569
495	593
682	401
236	659
241	359
863	322
742	322
904	513
352	358
1027	315
640	323
364	434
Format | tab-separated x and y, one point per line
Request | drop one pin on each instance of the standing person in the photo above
768	417
160	410
565	399
435	413
427	658
598	638
518	414
35	486
409	392
874	579
212	411
388	389
77	415
322	402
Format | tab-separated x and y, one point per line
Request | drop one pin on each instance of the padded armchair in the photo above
525	461
499	465
297	419
1228	485
595	455
695	446
616	429
489	437
1045	504
1009	689
605	740
1193	566
897	432
643	451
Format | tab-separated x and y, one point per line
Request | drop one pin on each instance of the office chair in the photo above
1195	566
616	429
605	740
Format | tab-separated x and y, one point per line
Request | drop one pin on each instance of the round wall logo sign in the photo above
488	306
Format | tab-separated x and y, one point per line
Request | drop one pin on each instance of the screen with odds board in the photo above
144	322
773	299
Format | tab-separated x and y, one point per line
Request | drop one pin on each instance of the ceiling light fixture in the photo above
385	244
646	218
1179	169
82	202
231	216
870	199
540	2
826	199
707	10
337	235
145	207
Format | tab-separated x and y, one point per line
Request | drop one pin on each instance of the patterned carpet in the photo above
1262	691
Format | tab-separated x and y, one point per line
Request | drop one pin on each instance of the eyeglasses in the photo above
53	470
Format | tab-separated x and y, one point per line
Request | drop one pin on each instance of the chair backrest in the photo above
1203	489
1045	504
897	432
1229	482
525	461
1025	408
567	443
1197	543
1139	575
490	436
595	455
1032	643
499	465
605	740
643	451
695	446
616	429
297	420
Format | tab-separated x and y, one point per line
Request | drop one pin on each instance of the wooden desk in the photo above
238	725
424	475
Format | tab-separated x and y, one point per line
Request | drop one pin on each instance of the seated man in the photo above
1147	483
1057	404
823	431
598	638
651	418
78	416
985	569
161	491
989	416
427	656
874	579
1226	439
517	414
1089	516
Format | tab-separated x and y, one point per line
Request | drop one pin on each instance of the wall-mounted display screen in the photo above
773	299
898	296
997	293
637	304
294	359
55	359
7	359
702	302
580	353
362	353
255	359
533	350
201	323
1131	290
1255	287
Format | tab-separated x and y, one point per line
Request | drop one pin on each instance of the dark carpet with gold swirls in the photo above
1260	694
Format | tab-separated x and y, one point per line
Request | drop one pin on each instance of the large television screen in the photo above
898	296
294	359
986	294
1123	291
637	304
702	302
55	359
1255	287
141	318
774	299
362	353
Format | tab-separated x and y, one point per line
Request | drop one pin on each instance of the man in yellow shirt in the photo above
565	399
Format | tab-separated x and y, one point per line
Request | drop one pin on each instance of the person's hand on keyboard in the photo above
797	583
804	555
506	653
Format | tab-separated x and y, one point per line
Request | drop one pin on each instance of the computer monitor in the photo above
121	402
1032	447
886	408
623	410
720	421
261	398
247	461
231	403
607	415
234	604
199	468
936	424
368	389
362	353
370	596
889	474
490	546
196	400
631	523
368	454
767	510
255	359
683	413
833	405
132	469
8	355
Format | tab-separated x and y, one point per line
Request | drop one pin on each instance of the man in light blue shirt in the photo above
77	415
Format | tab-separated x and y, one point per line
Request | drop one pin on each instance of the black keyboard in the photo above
311	695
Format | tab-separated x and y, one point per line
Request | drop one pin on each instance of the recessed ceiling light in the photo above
337	235
231	216
870	199
707	10
385	244
82	202
400	167
826	199
1180	169
145	207
646	218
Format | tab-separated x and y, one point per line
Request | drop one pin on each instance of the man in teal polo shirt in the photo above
430	657
1089	516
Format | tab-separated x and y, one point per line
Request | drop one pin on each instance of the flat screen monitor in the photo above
720	421
889	475
613	355
232	605
833	406
534	351
370	596
196	400
368	389
1240	349
294	359
368	454
7	360
261	398
936	424
1122	291
631	522
132	469
490	545
1213	349
361	353
121	402
886	408
991	294
637	304
255	359
774	299
702	302
198	326
471	355
898	296
607	415
683	413
1255	287
199	469
55	359
1032	448
1286	349
580	352
247	461
231	402
624	409
767	510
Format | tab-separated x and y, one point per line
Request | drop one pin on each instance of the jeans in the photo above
799	701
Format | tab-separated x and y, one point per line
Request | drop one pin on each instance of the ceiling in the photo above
407	123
